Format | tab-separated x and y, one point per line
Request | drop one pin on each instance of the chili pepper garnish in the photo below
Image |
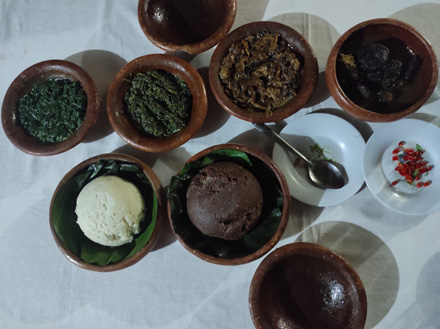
411	165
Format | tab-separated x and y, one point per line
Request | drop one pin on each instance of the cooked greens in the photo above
159	102
53	110
251	241
64	217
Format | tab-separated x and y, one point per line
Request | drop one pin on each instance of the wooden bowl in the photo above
301	47
192	26
116	108
62	218
268	229
304	285
414	94
37	73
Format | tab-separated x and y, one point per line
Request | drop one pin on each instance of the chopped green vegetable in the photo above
64	217
318	150
252	240
53	110
320	153
159	102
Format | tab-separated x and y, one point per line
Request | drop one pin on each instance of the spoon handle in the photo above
277	138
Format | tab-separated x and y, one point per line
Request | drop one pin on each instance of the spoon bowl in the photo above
322	173
326	174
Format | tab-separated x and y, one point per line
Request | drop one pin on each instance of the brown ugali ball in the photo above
224	200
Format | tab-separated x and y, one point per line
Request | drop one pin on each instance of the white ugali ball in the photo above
109	210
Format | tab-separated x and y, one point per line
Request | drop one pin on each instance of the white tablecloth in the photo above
397	256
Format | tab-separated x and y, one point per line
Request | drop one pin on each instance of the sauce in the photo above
379	76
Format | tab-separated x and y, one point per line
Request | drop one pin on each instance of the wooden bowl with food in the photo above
229	204
381	70
106	212
305	285
50	107
263	72
157	102
192	26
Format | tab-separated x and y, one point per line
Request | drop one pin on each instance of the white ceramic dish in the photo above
340	141
379	173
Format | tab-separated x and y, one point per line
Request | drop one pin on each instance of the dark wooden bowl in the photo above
157	189
37	73
282	186
117	112
304	285
192	26
298	43
416	93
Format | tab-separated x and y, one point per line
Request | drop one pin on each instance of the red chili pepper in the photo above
411	165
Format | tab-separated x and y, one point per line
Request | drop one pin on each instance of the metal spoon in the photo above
322	173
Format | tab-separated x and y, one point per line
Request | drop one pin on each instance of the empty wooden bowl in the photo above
262	237
304	285
38	73
70	239
117	109
193	26
302	49
419	72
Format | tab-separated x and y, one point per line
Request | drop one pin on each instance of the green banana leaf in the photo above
64	217
251	241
